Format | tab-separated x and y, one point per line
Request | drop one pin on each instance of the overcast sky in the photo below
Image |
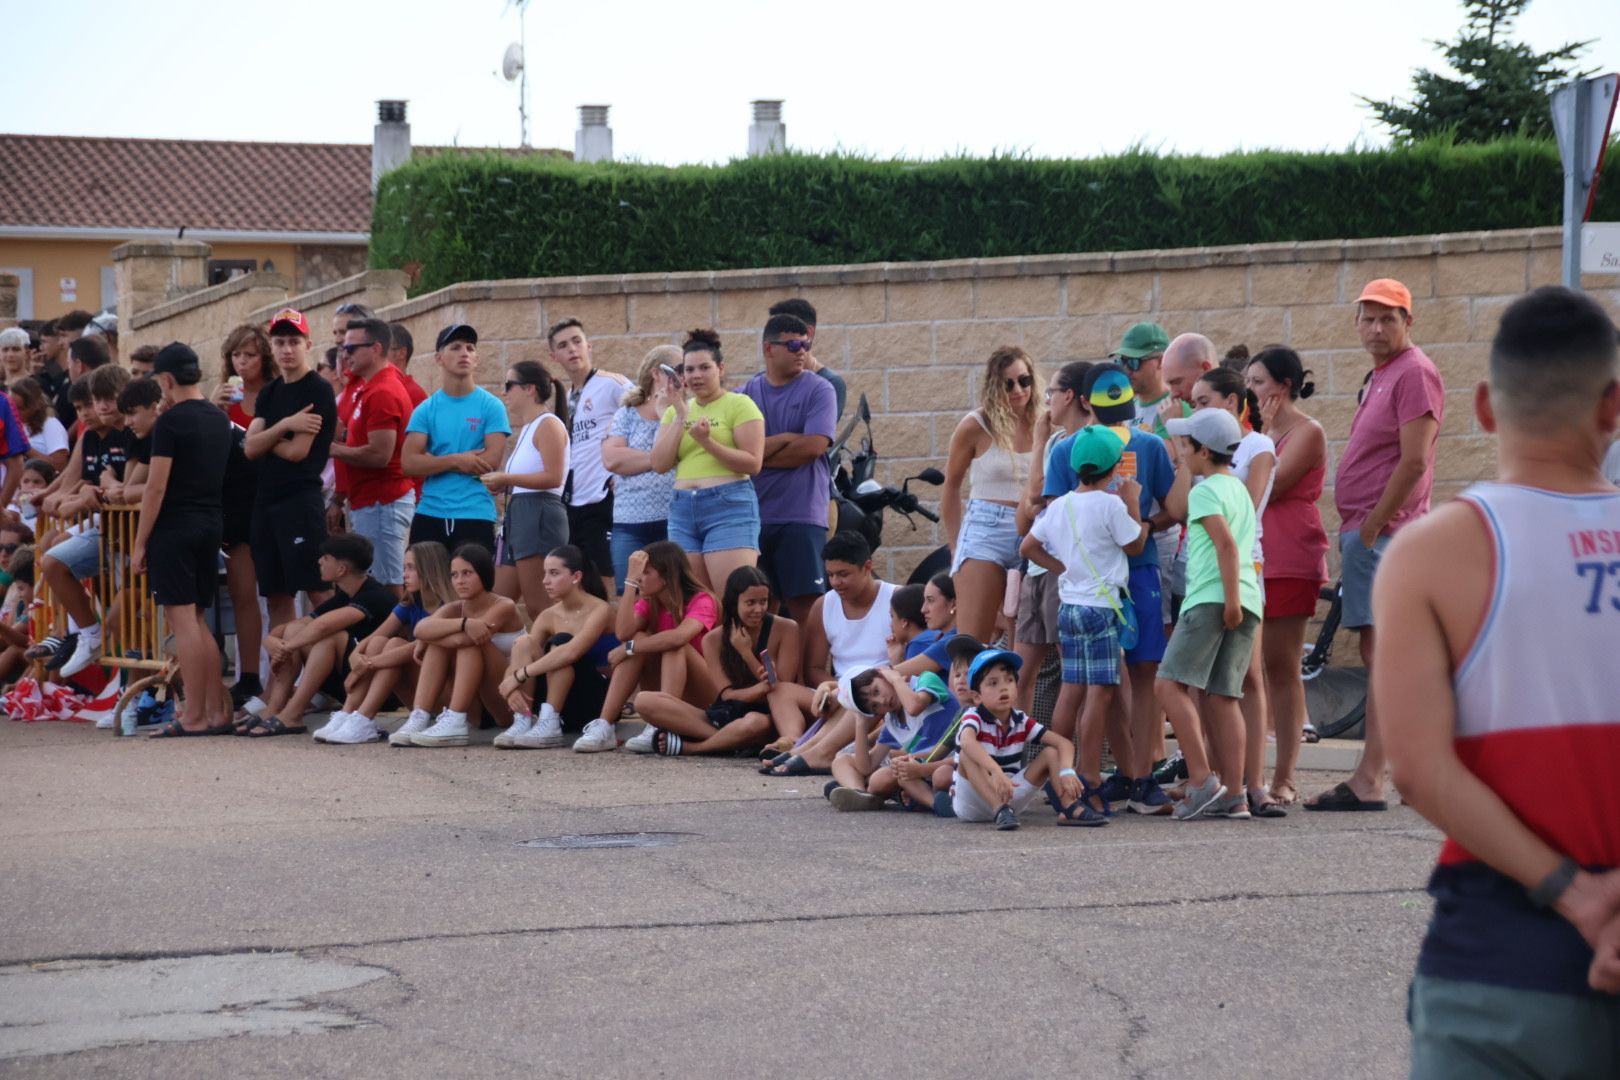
915	80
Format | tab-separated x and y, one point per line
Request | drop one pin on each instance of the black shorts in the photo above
590	528
238	523
286	543
182	563
791	555
453	532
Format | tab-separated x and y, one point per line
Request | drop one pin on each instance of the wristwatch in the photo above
1553	885
630	647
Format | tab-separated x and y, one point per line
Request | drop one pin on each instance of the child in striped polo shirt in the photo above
993	783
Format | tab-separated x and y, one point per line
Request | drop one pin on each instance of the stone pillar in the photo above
150	273
9	284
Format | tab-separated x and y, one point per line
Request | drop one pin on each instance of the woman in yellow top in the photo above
715	444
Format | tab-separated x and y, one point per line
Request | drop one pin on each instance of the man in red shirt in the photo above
1386	473
401	347
374	410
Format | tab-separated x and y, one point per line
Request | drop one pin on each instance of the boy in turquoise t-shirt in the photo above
1211	647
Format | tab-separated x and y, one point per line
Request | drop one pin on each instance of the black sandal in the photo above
268	726
797	766
174	729
667	744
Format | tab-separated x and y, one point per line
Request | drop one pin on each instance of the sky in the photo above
878	77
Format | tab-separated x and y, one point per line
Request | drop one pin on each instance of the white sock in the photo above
451	714
547	712
92	633
73	625
418	714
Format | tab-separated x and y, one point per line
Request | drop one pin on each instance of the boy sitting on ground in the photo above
992	781
311	654
925	776
914	720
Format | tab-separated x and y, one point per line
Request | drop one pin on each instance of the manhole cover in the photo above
582	841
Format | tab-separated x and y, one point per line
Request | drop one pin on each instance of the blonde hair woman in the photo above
990	449
641	496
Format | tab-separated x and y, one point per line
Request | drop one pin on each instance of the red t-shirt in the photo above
418	395
379	403
701	607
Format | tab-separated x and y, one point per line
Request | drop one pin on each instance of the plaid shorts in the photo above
1089	638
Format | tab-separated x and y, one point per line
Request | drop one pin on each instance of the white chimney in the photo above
594	139
390	140
767	134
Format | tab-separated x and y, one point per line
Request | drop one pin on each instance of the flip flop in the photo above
173	729
1342	798
667	743
268	726
797	766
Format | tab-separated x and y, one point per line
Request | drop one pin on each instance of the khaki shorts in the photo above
1205	655
1037	622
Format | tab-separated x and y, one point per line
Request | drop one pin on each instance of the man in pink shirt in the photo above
1385	476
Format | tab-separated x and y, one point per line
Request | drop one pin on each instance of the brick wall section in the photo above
913	337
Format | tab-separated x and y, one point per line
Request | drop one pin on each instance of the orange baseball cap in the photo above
1389	292
289	317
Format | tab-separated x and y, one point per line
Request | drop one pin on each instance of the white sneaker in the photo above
521	724
599	735
358	729
85	653
334	724
418	722
643	742
449	729
544	734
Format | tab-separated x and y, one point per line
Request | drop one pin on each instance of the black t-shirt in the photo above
278	400
141	449
374	600
105	450
241	476
198	437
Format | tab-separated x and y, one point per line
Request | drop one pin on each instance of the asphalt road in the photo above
212	907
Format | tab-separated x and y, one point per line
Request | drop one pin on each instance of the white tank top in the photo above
526	457
1537	689
998	474
861	643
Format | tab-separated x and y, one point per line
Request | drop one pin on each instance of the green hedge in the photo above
478	217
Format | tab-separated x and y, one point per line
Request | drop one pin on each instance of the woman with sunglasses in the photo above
641	495
533	478
990	450
715	444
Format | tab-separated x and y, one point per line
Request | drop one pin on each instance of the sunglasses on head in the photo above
1025	380
793	345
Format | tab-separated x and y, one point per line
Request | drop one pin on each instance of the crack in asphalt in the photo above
719	924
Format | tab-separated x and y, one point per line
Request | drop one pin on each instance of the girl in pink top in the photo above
665	626
1295	546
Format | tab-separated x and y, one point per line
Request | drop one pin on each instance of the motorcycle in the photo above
859	500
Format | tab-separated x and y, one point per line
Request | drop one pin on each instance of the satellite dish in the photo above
512	62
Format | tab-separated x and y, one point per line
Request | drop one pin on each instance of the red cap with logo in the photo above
291	317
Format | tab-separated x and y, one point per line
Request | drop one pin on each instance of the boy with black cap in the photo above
453	438
995	739
181	520
1215	637
291	438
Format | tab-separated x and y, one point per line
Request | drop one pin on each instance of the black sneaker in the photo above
1172	772
1116	787
1006	820
246	687
63	652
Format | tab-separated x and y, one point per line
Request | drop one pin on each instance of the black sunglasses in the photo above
9	549
793	345
516	382
348	350
1025	380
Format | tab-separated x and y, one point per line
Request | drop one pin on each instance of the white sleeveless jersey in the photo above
858	644
1538	691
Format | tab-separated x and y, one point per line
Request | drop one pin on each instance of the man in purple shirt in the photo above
794	486
1385	476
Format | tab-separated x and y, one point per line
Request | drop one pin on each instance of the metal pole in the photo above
1577	182
523	86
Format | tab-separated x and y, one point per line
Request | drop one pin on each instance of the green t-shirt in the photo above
1224	496
1149	420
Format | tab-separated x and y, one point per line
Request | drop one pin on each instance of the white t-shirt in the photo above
1254	445
51	438
1611	464
1099	521
591	410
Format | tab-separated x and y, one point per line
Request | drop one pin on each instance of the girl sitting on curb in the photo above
387	660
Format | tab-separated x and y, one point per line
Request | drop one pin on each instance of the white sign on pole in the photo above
1600	247
1582	111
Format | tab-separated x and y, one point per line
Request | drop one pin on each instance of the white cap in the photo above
1215	428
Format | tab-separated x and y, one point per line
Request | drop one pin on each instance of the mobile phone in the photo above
674	376
770	666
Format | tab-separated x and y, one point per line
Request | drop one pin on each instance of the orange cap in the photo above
1389	292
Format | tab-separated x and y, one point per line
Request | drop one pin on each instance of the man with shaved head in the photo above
1185	361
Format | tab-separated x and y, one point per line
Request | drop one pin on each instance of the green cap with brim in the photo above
1143	339
1095	450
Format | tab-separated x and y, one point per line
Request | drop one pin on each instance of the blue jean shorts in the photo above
80	554
1357	565
990	533
1089	640
386	525
629	536
722	518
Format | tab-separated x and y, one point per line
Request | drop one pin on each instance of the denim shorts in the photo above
386	525
628	536
722	518
80	554
1357	565
989	532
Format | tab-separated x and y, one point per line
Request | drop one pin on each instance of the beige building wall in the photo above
914	337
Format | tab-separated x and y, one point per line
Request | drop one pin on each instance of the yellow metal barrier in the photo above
49	616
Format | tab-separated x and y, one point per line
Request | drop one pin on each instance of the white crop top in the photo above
998	474
526	458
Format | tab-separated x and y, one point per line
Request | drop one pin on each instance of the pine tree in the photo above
1501	86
